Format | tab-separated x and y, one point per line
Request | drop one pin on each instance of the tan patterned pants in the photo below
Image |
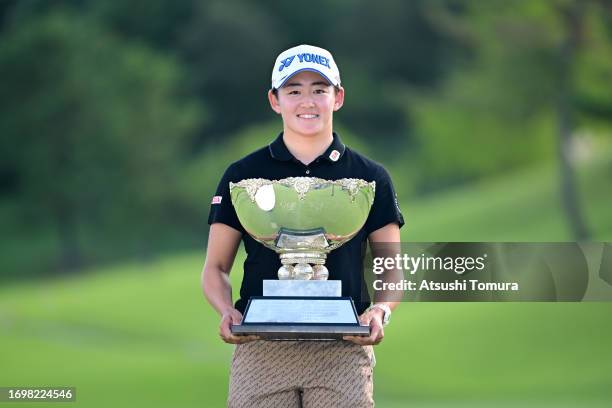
304	374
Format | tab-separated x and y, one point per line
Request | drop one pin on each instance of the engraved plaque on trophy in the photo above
302	219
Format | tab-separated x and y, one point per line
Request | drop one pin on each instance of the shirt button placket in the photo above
307	171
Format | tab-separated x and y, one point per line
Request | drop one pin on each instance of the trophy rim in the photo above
303	184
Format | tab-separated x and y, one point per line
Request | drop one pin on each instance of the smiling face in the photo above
306	103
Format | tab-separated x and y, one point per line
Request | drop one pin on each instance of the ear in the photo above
274	102
339	99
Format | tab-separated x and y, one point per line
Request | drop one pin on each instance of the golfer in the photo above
305	92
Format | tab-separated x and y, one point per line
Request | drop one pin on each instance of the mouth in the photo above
308	116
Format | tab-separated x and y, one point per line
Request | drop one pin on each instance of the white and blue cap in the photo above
304	58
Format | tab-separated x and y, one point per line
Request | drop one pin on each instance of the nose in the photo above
307	102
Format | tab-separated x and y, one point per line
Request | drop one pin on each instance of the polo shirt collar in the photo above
279	151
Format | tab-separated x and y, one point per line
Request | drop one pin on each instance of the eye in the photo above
320	91
294	92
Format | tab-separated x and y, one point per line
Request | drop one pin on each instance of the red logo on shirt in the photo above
334	155
216	200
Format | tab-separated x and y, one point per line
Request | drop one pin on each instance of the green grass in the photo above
521	206
135	335
142	335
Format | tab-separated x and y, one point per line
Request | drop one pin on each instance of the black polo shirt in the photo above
275	162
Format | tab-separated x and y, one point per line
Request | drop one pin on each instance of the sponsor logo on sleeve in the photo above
216	200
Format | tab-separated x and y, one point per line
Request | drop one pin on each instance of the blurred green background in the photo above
118	118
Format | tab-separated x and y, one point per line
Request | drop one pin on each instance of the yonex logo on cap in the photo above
317	59
285	63
305	57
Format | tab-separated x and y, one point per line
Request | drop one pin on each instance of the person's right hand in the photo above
232	316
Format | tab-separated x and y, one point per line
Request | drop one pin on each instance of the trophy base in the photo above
300	318
300	332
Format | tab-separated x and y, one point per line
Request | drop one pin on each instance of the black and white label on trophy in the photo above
297	311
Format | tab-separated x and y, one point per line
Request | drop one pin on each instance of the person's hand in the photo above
232	316
374	319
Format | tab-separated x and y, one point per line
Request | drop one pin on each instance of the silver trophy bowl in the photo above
302	218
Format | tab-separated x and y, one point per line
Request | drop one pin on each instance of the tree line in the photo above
113	113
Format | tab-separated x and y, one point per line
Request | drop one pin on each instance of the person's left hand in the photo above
372	318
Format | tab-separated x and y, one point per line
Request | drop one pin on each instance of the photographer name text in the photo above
457	285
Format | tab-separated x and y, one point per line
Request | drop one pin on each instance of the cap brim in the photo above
302	70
